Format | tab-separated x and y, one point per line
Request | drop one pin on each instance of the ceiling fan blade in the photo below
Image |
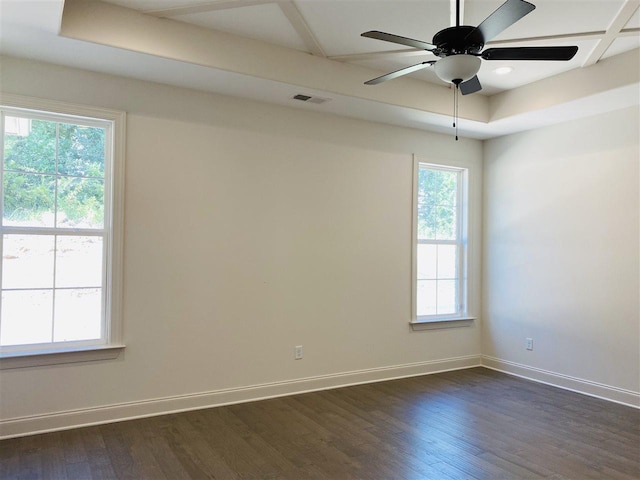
530	53
506	15
389	37
470	86
399	73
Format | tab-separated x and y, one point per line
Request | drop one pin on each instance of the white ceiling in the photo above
126	42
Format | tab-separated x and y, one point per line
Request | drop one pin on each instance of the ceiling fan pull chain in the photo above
457	110
456	102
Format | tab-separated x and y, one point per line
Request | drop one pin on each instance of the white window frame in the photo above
111	343
461	317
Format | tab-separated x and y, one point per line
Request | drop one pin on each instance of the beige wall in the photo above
249	229
561	259
252	228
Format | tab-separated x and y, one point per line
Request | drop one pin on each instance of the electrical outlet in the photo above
529	344
298	352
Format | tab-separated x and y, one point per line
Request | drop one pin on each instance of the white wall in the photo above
249	229
561	262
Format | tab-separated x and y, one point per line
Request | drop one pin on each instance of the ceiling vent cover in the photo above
310	99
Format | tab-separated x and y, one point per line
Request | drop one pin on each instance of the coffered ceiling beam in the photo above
301	27
360	57
544	39
623	16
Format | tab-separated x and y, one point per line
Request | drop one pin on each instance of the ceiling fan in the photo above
460	48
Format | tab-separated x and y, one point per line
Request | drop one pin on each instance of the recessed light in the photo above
503	70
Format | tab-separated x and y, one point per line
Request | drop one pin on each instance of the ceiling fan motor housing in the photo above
458	40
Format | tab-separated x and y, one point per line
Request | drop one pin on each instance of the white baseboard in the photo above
17	427
567	382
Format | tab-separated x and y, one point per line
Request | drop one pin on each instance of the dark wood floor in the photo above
466	424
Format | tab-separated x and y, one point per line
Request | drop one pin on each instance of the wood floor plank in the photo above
194	443
120	457
10	453
30	466
225	439
76	470
53	465
97	454
466	424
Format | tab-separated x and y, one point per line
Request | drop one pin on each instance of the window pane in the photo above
80	203
446	297
27	261
427	258
81	151
78	261
29	145
446	223
78	314
26	317
426	186
29	200
426	222
426	297
447	261
16	127
445	187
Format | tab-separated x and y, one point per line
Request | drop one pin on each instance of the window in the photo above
440	243
60	230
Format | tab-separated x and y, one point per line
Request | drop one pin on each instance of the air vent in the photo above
307	98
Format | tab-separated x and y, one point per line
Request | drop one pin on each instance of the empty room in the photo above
320	239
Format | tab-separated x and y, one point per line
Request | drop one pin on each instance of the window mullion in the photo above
53	288
55	237
45	174
55	188
88	232
423	241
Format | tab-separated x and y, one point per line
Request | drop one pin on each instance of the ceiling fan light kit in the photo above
460	49
457	68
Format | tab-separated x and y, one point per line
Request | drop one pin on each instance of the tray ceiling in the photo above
264	49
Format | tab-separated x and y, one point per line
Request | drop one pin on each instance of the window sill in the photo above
442	323
56	357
